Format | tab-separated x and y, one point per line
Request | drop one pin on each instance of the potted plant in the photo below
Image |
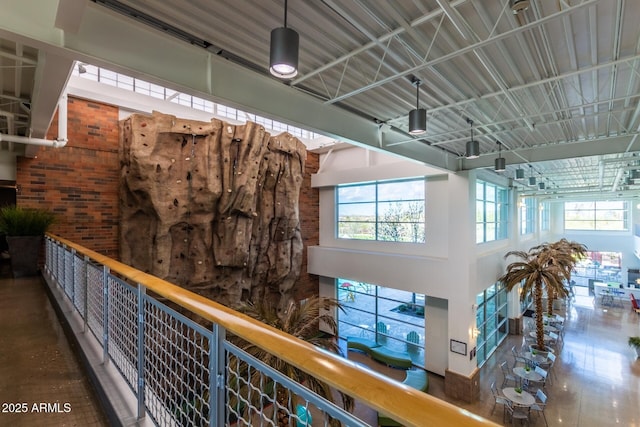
24	228
543	269
634	342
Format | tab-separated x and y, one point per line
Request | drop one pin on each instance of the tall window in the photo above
527	215
492	212
545	216
386	211
491	320
388	316
596	216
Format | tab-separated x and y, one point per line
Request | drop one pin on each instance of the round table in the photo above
535	358
524	398
532	334
530	375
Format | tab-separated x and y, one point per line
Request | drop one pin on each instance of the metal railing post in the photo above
73	277
217	383
105	314
141	324
85	308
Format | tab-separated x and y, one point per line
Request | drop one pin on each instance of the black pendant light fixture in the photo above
473	147
532	179
283	56
500	161
541	185
519	174
417	117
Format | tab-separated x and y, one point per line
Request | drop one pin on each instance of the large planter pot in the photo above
533	348
24	251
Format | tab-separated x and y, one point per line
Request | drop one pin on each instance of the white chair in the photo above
548	365
555	338
541	403
541	383
499	400
518	358
518	412
508	376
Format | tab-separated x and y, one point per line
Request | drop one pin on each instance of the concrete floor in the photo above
41	381
598	376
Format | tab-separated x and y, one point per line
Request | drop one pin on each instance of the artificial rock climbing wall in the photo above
212	207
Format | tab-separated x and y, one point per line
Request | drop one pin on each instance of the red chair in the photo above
634	303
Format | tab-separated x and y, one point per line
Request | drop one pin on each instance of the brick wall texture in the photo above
80	183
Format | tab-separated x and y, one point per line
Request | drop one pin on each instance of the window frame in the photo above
373	223
598	208
494	220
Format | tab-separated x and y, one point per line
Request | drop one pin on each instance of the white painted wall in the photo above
8	165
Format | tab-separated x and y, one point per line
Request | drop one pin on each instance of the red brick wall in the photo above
80	181
308	284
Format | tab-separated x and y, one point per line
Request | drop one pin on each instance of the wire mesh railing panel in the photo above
176	367
123	329
259	395
48	254
60	266
95	301
79	283
68	274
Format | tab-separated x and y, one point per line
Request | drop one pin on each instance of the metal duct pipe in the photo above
59	142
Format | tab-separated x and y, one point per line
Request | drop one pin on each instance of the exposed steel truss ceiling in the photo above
557	84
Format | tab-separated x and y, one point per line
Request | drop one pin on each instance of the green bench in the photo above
416	378
391	357
361	344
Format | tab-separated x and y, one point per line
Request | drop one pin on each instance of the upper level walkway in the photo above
41	380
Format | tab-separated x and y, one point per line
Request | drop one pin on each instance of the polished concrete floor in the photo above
597	384
41	381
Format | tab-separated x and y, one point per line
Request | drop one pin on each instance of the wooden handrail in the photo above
405	404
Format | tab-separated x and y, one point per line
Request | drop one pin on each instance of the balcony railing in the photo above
186	373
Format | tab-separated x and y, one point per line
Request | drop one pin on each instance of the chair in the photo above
518	358
541	403
518	412
499	400
634	303
548	365
543	382
381	332
413	339
508	376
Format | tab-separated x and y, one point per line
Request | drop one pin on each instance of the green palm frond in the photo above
301	319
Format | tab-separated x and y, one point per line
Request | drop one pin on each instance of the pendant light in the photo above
473	147
541	185
500	161
283	56
532	179
417	117
519	174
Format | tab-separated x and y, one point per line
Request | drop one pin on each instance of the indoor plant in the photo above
543	269
24	228
301	319
634	342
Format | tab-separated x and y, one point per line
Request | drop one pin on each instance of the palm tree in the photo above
578	251
301	319
544	268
